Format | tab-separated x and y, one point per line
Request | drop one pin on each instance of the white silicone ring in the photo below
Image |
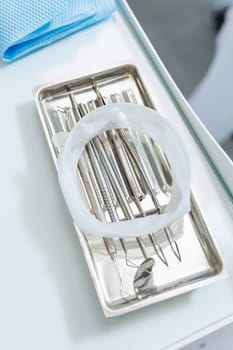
141	119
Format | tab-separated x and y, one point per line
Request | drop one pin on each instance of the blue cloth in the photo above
28	25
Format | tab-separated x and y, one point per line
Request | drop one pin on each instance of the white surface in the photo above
47	298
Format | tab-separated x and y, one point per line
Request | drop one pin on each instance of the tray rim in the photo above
108	311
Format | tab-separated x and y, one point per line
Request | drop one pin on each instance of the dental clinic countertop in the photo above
47	299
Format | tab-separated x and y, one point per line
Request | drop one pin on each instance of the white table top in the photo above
47	297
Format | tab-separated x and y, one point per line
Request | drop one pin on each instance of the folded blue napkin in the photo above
28	25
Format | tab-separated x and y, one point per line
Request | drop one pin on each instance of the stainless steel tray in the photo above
191	256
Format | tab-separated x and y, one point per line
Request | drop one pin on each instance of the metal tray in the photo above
196	262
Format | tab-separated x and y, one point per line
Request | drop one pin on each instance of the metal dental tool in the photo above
97	192
139	162
100	157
